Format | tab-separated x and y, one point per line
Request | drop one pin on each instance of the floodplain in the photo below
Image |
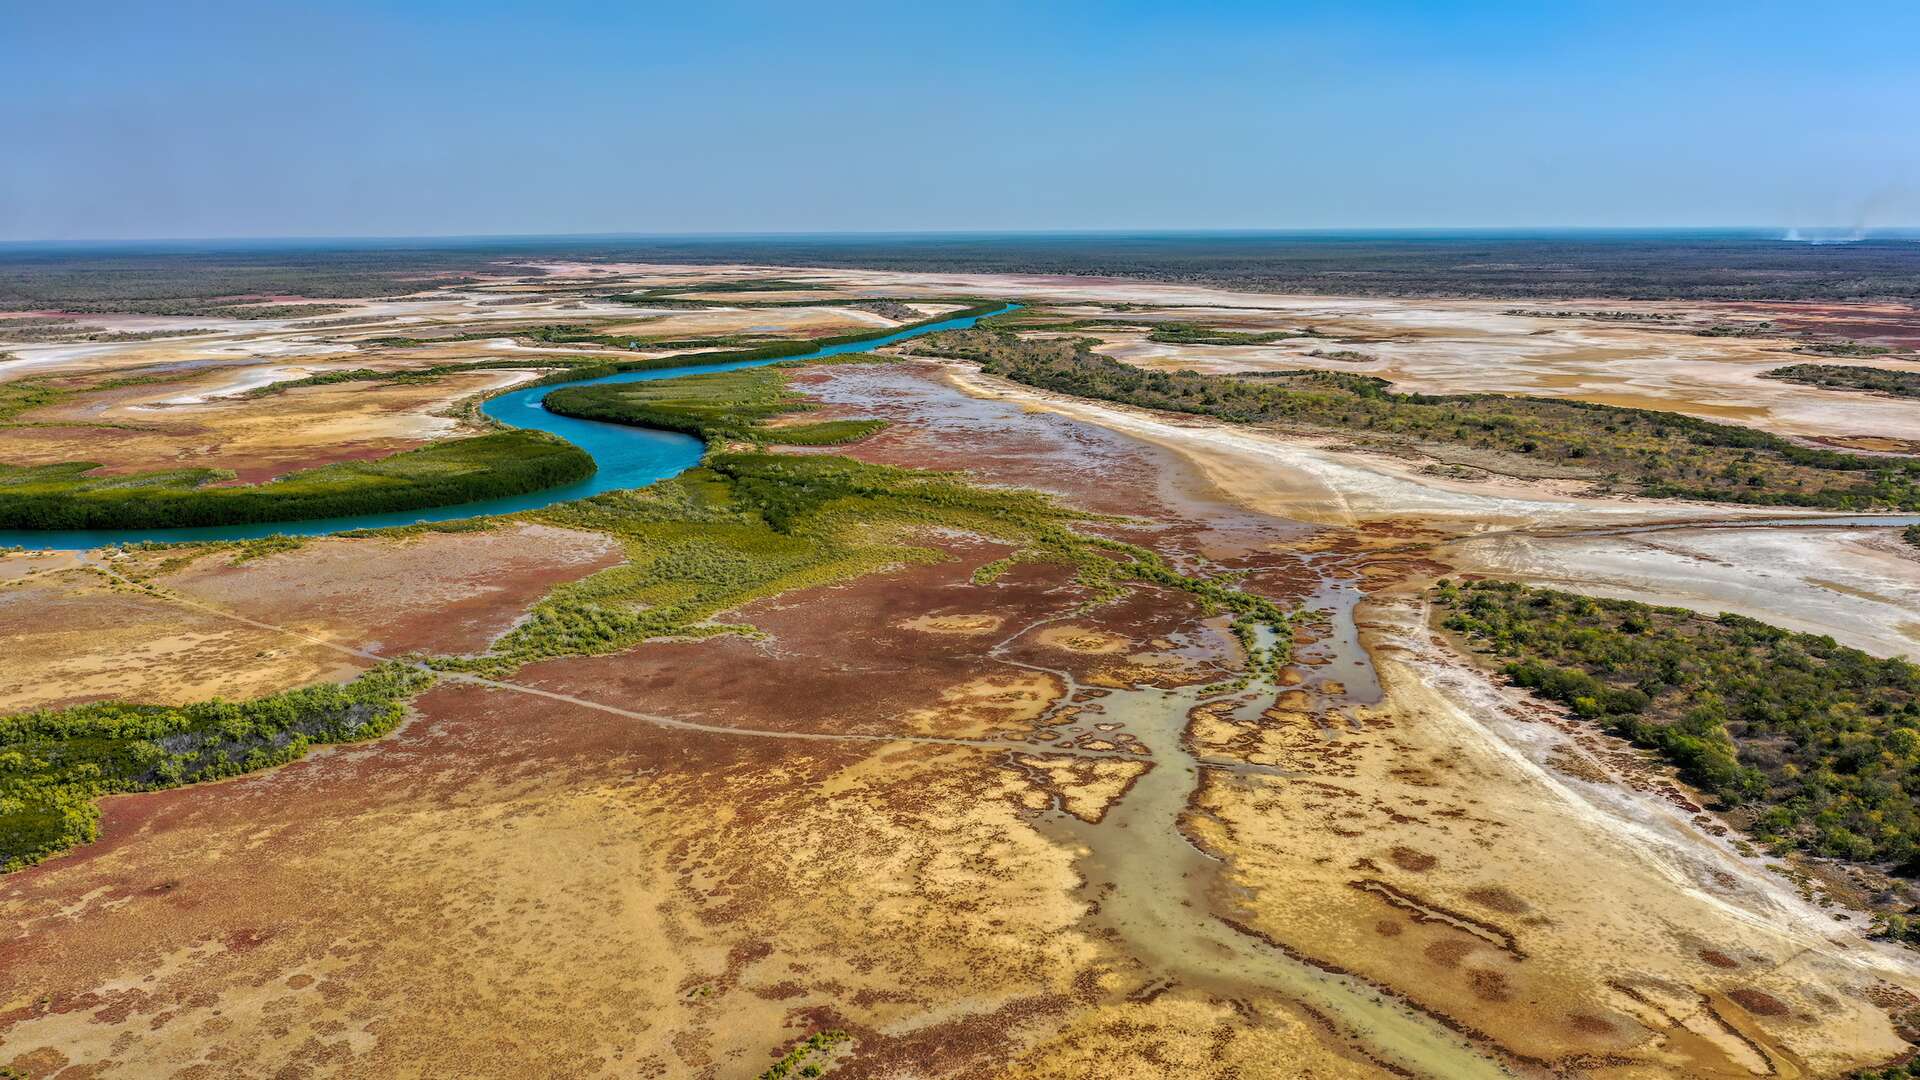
1010	732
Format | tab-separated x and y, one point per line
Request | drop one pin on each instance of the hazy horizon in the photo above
1812	235
442	121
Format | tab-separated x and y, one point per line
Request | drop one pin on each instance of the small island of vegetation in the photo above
1871	380
732	406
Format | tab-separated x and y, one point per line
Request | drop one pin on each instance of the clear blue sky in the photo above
200	120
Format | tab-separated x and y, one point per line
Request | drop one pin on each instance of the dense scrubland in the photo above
1572	266
1854	349
185	281
55	763
1660	455
1850	377
65	496
1813	745
61	329
174	280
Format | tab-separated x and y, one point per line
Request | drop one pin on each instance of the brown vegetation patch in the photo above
1489	985
1498	898
1587	1024
1449	951
1407	858
1758	1002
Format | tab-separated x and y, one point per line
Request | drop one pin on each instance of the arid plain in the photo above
981	813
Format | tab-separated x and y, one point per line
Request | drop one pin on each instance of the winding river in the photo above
623	456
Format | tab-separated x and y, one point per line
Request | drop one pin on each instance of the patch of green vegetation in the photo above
1662	455
720	407
23	394
889	309
1849	377
800	1061
1844	348
1814	745
261	547
1180	333
271	311
823	433
1743	330
67	330
55	763
330	378
1911	534
503	463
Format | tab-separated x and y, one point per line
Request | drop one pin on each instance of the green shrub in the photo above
54	763
1816	744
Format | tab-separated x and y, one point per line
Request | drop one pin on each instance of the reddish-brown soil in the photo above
436	593
1892	324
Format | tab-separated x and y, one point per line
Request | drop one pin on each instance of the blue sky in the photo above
199	120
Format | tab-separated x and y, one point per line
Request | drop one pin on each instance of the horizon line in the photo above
1846	232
